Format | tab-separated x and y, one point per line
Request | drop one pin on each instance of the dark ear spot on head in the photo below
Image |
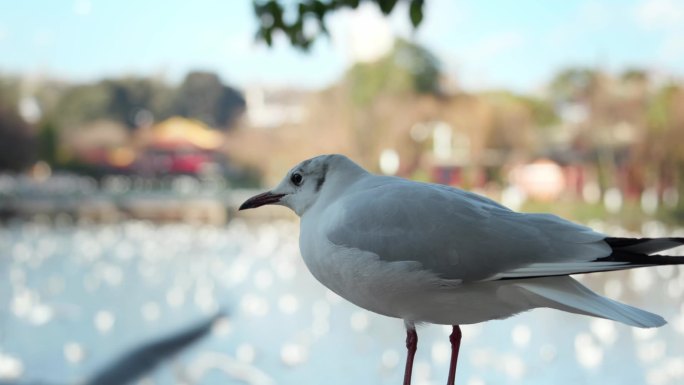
321	180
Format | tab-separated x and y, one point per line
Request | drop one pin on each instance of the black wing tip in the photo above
622	259
643	245
638	260
620	242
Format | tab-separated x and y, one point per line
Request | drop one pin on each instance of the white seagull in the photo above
431	253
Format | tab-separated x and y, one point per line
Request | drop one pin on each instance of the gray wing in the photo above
458	235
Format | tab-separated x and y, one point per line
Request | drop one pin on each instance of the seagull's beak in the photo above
266	198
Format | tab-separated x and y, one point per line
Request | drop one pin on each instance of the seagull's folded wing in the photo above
457	234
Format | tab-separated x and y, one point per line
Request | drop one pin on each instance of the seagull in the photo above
430	253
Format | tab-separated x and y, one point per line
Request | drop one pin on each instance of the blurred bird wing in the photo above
456	234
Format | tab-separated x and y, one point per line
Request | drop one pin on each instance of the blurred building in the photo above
178	146
174	146
271	107
94	143
449	155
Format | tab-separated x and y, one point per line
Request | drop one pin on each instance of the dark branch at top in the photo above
308	21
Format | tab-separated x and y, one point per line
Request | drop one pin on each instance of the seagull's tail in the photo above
565	293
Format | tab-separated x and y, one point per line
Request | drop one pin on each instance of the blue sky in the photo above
483	44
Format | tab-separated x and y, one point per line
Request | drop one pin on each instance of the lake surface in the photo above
74	297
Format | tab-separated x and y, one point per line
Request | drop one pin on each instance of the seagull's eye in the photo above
296	179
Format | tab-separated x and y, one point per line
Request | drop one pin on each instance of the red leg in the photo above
411	346
455	339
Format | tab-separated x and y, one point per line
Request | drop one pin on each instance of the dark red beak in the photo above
266	198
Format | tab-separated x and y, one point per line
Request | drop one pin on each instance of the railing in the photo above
70	198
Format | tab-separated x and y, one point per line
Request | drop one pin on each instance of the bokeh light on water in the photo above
74	297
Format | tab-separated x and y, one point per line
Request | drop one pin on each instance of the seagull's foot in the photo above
411	346
455	339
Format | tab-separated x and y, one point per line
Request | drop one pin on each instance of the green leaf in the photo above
319	9
324	29
416	12
386	6
351	3
268	38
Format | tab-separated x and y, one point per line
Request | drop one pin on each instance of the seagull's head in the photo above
306	182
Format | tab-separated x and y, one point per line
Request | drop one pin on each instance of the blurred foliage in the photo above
48	145
407	68
634	75
661	106
137	102
9	92
204	97
82	103
303	21
573	84
540	112
543	113
17	142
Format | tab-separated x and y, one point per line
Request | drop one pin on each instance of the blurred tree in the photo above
17	142
9	92
634	75
137	102
376	88
48	142
665	128
574	84
661	109
81	103
131	101
203	96
408	68
542	113
513	124
308	21
635	90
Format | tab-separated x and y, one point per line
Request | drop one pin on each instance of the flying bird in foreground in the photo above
432	253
